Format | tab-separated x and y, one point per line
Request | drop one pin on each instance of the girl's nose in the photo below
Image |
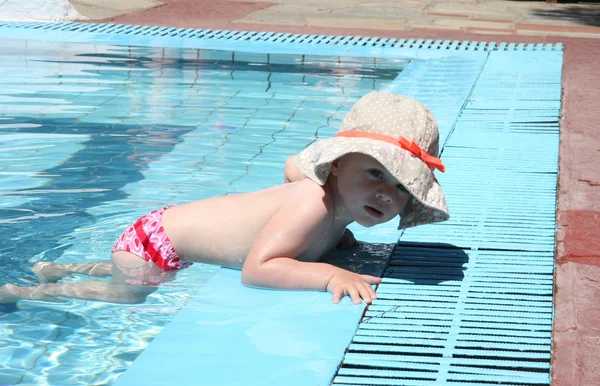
384	196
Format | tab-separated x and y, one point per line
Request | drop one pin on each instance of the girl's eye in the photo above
376	173
402	188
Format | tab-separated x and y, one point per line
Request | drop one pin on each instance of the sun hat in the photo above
402	135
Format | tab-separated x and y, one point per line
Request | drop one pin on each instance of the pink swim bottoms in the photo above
147	239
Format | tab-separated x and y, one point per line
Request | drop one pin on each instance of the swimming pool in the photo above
94	136
470	302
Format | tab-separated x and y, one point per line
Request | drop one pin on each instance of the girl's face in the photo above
367	190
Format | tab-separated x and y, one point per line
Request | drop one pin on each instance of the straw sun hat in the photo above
402	135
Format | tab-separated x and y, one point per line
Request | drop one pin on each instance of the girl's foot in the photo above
9	293
49	272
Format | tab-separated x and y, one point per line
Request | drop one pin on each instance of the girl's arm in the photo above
272	262
291	172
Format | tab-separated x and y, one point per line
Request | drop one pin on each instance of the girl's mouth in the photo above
373	212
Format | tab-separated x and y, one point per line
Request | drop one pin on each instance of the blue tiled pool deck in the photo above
467	302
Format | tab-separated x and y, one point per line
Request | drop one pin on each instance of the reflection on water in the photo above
92	137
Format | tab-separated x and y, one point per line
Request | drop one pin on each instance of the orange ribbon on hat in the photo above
431	161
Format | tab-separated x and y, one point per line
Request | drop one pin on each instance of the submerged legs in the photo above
132	280
92	290
52	272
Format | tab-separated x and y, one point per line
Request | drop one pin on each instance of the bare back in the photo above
222	230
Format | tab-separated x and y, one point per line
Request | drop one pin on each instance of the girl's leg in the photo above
51	272
133	279
91	290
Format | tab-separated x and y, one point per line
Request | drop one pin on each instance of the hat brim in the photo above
428	203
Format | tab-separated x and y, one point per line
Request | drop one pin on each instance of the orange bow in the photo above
431	161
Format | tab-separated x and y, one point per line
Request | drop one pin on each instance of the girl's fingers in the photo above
371	279
358	291
355	295
337	295
371	291
367	293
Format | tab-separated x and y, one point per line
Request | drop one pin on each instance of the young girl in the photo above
379	165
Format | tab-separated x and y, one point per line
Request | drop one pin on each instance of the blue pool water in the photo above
468	301
93	136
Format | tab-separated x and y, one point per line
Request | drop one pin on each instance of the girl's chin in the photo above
367	222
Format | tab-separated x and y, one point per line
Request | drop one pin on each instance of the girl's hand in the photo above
354	285
347	240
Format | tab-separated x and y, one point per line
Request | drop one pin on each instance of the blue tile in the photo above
292	337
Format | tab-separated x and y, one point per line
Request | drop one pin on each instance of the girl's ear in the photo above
335	167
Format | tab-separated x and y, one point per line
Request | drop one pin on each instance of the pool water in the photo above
93	136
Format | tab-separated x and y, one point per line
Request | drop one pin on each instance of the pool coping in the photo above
261	42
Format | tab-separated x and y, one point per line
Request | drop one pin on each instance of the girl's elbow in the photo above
250	277
291	172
